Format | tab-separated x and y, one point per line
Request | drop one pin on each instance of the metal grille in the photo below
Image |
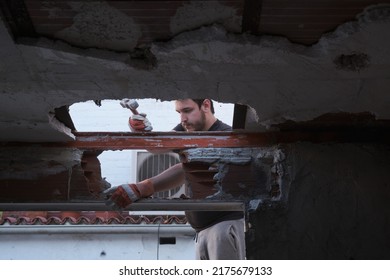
150	165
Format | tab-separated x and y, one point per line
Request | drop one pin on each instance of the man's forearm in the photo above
171	178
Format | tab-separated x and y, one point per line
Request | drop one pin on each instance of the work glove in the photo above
120	197
139	123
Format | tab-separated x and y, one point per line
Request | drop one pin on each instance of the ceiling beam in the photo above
188	140
251	16
17	17
239	116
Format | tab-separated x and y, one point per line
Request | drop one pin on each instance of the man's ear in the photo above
206	105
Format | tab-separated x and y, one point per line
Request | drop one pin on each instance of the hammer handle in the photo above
134	111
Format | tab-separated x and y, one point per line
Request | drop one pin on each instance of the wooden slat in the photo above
17	17
187	140
251	16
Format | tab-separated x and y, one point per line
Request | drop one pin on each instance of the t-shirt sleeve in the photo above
179	127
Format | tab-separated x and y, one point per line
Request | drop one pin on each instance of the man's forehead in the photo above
184	103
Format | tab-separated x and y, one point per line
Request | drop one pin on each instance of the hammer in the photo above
131	104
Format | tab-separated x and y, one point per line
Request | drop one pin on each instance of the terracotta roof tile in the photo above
85	218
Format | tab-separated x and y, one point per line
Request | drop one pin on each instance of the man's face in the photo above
191	116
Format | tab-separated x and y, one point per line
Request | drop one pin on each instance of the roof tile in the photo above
85	218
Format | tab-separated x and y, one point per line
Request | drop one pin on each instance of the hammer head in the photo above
130	104
133	104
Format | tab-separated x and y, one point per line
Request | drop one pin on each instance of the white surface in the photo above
89	243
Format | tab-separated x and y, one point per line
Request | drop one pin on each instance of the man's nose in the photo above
183	117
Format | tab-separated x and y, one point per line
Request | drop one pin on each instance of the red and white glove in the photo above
120	197
139	123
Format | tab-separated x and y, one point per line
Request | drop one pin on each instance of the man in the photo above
220	234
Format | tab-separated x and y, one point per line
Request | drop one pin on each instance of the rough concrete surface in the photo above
337	206
334	197
279	80
109	27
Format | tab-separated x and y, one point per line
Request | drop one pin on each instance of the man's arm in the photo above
120	197
125	194
169	179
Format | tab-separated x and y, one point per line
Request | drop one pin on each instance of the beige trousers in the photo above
223	241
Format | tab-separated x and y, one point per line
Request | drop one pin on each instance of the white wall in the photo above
100	242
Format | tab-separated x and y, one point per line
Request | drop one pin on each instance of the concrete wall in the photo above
337	206
337	203
278	79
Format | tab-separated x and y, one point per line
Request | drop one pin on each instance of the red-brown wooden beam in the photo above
168	140
187	140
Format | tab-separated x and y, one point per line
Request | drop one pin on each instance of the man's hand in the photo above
139	123
120	197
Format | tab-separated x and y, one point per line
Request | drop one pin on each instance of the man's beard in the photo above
196	126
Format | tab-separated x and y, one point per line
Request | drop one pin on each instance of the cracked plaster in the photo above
279	80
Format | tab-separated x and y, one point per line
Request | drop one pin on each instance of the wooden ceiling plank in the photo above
18	18
188	140
251	16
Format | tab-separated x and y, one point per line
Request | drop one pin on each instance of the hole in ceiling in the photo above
110	116
119	167
62	114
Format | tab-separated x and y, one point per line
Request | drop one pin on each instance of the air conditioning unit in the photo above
149	165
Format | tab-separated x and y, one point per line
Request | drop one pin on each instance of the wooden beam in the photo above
239	116
167	140
251	16
188	140
17	18
332	127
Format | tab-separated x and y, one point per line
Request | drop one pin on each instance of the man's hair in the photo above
200	102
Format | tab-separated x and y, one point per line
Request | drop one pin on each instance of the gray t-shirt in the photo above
200	220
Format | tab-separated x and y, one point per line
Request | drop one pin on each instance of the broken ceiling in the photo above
287	60
291	61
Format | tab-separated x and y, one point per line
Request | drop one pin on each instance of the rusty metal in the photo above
167	140
187	140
